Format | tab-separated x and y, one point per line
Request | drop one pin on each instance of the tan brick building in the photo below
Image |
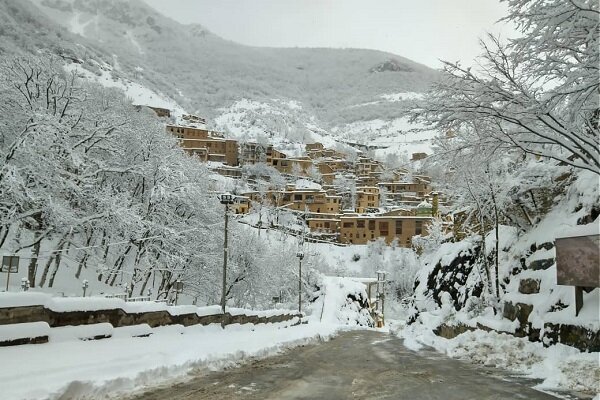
252	153
360	229
324	223
309	200
286	165
207	145
367	197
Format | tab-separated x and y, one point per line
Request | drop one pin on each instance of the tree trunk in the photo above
83	261
496	260
32	268
45	272
4	234
117	267
57	261
146	280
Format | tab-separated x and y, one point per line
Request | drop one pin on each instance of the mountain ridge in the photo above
208	75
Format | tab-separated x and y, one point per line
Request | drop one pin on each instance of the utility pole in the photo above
225	199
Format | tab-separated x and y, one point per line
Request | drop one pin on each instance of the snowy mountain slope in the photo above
210	76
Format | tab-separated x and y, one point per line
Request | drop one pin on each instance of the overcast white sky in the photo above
422	30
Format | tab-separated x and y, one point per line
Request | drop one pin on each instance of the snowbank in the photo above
559	367
119	365
25	330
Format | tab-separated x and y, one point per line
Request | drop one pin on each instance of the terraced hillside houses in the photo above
343	198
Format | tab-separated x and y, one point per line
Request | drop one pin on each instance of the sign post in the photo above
578	264
10	265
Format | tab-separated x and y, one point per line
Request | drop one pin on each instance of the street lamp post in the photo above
300	255
226	199
381	292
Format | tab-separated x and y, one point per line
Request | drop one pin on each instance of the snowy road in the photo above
354	365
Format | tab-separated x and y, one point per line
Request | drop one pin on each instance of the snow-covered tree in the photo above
538	93
314	173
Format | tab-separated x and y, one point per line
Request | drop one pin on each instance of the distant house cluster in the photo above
347	199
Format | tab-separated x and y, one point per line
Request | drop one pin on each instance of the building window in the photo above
398	227
418	227
383	228
297	197
360	224
348	224
372	225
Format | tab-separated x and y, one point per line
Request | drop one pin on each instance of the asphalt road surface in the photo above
354	365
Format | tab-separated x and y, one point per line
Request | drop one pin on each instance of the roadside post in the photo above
84	286
178	289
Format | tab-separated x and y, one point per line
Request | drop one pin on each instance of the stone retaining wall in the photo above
119	318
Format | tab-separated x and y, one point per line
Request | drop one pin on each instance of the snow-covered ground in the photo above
69	366
118	365
397	136
138	93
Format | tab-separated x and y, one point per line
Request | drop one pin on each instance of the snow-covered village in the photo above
295	199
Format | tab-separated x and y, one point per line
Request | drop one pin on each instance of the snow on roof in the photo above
424	204
307	184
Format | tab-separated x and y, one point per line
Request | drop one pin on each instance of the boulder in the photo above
542	264
529	286
572	335
451	331
519	311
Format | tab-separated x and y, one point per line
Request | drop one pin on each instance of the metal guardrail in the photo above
122	296
140	298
